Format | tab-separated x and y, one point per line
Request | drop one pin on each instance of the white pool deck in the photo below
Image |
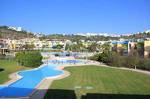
44	85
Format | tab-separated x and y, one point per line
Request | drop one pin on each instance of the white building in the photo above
147	31
15	28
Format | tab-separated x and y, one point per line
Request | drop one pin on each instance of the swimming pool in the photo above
70	61
61	53
31	78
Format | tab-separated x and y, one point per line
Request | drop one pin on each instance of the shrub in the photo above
57	55
95	57
30	59
131	61
3	56
117	60
144	64
1	69
105	57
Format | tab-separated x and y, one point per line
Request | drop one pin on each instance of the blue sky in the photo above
74	16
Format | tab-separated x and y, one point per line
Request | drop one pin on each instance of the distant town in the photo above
22	40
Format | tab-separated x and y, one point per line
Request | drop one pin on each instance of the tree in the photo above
0	35
27	47
93	47
105	57
106	47
95	57
29	59
59	46
80	46
75	47
67	47
140	49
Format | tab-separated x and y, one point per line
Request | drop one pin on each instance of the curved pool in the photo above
30	79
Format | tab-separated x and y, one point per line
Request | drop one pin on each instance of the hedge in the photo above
115	59
29	58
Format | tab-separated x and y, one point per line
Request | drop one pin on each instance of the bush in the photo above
144	64
95	57
3	56
105	57
116	60
30	59
1	69
131	61
57	55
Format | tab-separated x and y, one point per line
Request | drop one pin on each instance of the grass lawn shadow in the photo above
60	94
114	96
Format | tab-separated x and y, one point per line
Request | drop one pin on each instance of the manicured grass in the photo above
102	80
9	66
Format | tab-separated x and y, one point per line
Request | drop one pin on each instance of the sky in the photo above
77	16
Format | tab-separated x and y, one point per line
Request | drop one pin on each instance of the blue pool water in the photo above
30	79
61	53
67	61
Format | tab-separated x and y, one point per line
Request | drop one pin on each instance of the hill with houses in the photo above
7	32
11	33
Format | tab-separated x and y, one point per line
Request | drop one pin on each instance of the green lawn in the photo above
94	79
9	67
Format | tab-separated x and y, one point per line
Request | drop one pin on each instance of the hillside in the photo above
79	37
12	34
142	35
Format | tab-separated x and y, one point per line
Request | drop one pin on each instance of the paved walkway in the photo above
44	86
40	92
131	69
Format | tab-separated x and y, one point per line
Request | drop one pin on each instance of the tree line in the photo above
115	59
